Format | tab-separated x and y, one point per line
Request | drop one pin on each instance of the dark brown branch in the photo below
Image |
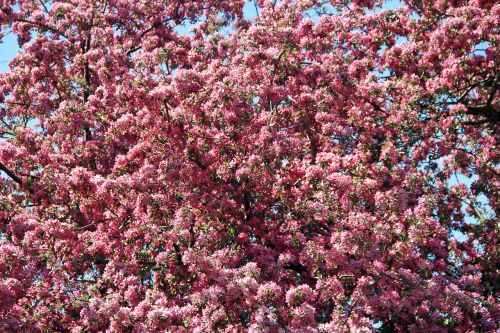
277	61
487	111
86	93
314	145
299	268
327	312
493	93
168	116
197	161
11	174
377	107
476	123
178	255
246	205
151	28
42	25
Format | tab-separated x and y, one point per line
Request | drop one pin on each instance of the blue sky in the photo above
8	49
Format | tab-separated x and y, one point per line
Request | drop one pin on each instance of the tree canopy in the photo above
323	166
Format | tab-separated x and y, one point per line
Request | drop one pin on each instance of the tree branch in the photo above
299	268
42	25
487	111
11	174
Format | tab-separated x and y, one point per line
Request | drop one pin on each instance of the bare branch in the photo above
11	174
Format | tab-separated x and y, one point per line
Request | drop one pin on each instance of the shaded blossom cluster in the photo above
324	166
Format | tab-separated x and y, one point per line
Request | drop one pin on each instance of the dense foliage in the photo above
324	166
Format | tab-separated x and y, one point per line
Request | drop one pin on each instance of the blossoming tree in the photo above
324	166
